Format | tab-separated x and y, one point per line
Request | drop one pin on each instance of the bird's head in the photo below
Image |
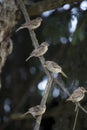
46	63
39	19
44	44
83	90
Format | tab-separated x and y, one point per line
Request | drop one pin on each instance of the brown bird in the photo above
35	111
41	50
54	68
33	24
77	95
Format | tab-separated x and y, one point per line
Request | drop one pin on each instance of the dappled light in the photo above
42	84
83	5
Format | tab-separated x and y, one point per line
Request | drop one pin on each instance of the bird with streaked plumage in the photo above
54	68
41	50
77	95
33	24
35	111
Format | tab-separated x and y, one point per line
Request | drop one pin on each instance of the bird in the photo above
33	24
41	50
77	95
54	67
35	111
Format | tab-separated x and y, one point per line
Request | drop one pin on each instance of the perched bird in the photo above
41	50
77	95
54	68
35	111
33	24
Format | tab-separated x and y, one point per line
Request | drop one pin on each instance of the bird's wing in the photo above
33	52
55	65
37	108
76	94
34	23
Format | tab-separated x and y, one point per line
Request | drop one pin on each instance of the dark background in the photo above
20	79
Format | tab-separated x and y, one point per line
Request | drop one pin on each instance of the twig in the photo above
82	108
62	87
42	60
79	105
43	101
77	111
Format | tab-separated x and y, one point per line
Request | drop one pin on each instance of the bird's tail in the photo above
26	113
28	58
22	27
64	74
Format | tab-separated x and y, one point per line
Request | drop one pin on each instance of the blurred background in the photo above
23	83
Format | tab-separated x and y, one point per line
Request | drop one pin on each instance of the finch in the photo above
36	111
41	50
33	24
77	95
54	68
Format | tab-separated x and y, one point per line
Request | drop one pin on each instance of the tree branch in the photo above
61	86
76	116
42	60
